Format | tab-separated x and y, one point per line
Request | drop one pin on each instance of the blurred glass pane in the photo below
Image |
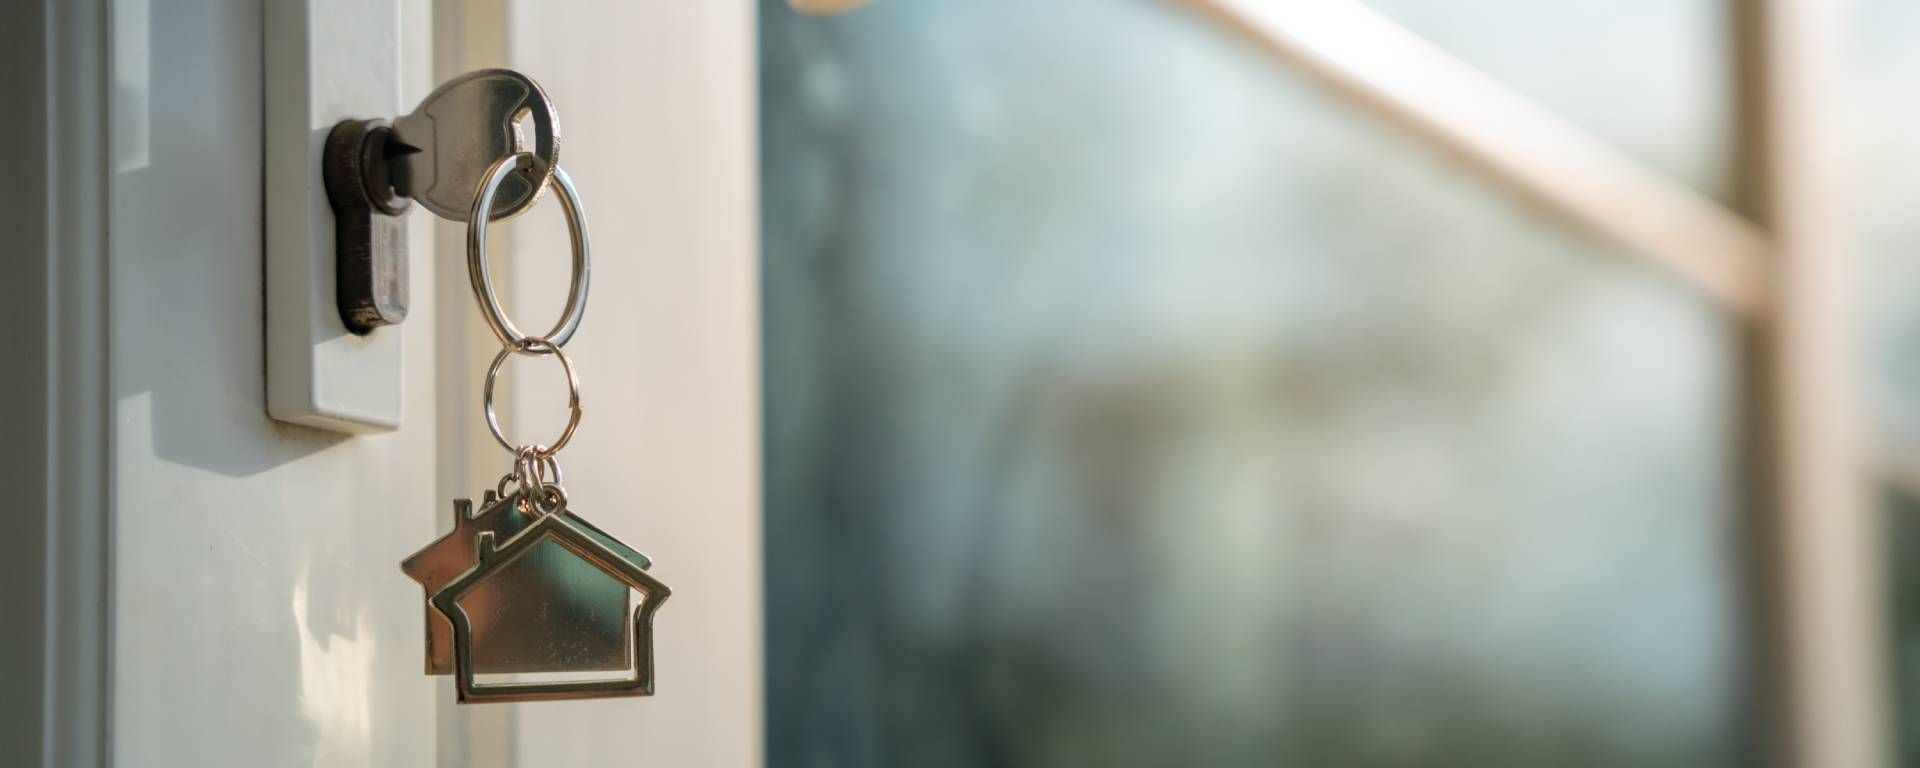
1131	402
1654	78
1887	158
1887	155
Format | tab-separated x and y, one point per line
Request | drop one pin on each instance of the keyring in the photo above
477	273
548	468
530	346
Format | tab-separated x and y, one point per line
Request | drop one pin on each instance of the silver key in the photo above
446	145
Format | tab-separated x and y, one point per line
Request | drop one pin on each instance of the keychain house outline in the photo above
561	529
446	558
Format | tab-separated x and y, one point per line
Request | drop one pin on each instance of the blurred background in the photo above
1135	397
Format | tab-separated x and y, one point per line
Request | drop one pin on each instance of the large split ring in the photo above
497	320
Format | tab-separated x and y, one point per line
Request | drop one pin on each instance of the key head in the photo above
461	129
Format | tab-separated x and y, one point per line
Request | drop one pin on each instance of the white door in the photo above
218	588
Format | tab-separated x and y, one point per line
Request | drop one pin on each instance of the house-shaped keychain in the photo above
572	535
547	610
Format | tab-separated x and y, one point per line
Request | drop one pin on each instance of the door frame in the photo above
57	661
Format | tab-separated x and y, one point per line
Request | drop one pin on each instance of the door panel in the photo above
259	618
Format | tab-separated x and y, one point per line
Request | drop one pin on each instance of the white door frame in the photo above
54	659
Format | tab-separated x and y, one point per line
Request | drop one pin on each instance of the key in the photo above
436	155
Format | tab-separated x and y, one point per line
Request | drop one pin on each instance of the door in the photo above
223	588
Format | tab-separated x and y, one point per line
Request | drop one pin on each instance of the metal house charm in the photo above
590	636
497	558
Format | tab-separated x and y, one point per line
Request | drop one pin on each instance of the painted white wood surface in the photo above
657	106
258	615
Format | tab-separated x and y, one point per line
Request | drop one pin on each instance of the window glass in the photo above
1653	78
1886	157
1131	400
